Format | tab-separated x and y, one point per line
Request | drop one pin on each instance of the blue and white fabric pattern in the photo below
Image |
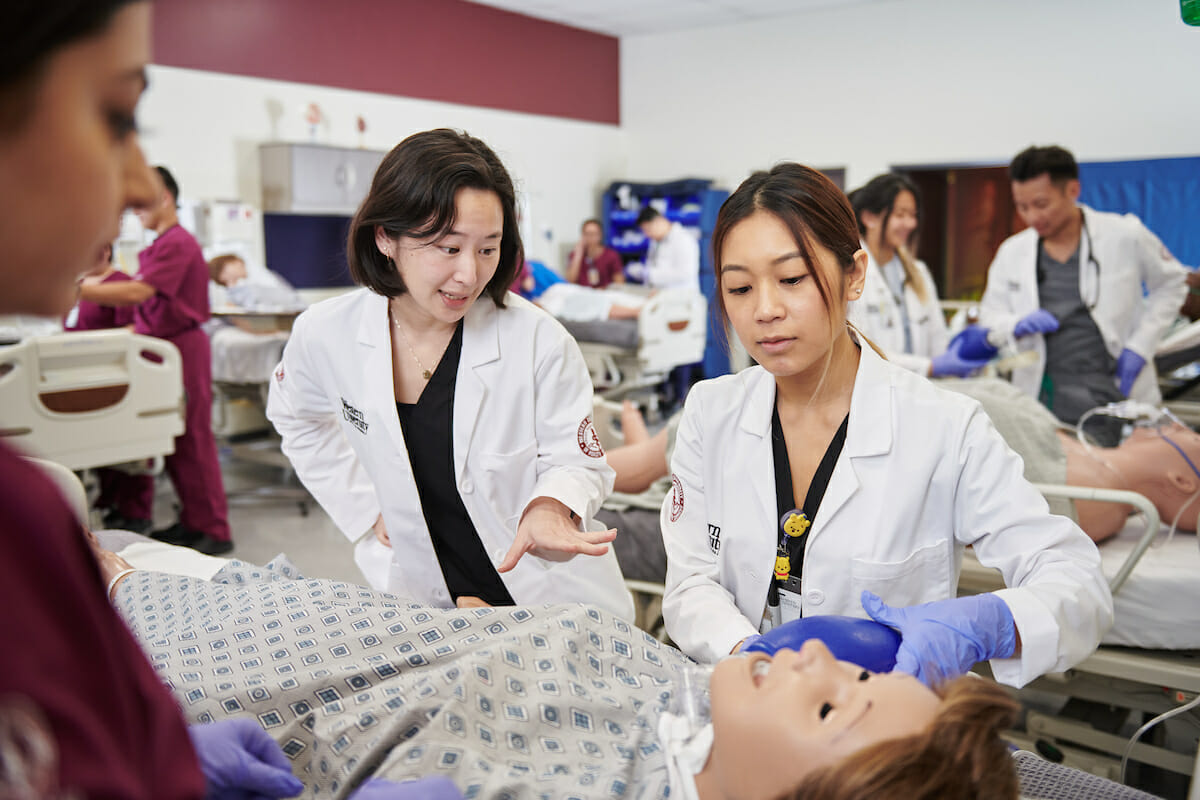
560	701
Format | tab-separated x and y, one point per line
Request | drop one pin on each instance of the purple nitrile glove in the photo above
944	639
1129	366
1040	321
435	787
954	362
241	762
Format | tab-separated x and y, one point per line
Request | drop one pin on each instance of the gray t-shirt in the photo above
1079	369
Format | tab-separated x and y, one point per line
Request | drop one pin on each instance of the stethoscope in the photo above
1091	258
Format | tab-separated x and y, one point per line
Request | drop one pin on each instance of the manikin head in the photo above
805	725
227	270
1151	464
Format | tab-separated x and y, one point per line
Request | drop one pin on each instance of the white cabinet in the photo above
315	179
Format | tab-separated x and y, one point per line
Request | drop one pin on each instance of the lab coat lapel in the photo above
477	368
375	348
755	421
869	433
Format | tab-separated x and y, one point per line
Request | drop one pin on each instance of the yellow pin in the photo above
796	524
783	567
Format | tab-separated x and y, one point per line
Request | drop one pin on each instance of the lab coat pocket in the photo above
509	479
923	576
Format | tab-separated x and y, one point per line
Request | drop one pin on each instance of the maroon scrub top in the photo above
70	668
95	317
600	271
174	266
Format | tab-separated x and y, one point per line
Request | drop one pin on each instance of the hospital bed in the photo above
246	349
92	399
1147	664
627	354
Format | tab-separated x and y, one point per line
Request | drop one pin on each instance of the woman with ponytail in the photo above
898	309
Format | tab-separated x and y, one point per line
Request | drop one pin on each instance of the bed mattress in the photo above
242	357
622	333
1156	607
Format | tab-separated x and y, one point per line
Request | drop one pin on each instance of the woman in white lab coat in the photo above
898	309
904	475
456	427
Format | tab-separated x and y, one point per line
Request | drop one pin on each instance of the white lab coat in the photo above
1129	255
922	474
877	314
522	429
675	261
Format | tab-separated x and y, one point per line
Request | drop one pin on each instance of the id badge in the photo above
593	276
772	618
790	606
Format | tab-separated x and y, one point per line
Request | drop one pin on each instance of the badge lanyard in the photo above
783	595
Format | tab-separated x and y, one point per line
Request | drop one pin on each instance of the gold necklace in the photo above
426	374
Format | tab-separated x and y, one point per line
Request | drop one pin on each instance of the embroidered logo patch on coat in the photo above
279	374
589	441
676	498
354	416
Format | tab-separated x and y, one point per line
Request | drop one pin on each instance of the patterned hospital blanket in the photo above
550	702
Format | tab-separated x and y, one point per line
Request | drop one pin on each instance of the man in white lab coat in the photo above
1090	292
673	259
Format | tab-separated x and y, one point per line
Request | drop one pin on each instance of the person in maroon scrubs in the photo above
82	713
170	299
126	506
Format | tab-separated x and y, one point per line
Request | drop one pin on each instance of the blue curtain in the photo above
1163	192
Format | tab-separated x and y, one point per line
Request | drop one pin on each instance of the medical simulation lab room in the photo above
537	398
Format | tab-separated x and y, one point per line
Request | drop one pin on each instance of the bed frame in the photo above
671	332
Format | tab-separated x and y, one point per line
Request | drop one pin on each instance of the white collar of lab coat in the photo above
481	329
870	430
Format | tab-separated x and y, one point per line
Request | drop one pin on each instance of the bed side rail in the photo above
1138	501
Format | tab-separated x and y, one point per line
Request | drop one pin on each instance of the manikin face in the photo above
593	236
776	720
232	272
445	274
1162	473
1046	206
772	299
73	165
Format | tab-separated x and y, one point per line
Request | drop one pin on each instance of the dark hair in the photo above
960	755
647	214
413	195
1055	161
169	182
878	196
31	32
811	206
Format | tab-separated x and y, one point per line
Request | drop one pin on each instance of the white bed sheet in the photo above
1158	608
242	357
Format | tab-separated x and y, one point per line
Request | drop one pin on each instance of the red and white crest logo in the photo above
589	442
279	374
676	498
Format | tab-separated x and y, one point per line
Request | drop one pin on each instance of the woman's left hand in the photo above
548	531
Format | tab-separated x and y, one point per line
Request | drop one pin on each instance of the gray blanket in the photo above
554	702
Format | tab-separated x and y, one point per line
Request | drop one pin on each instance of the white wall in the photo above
206	127
913	82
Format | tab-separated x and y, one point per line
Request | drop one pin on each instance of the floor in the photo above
266	517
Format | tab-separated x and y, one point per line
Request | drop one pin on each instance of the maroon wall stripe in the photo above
448	50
